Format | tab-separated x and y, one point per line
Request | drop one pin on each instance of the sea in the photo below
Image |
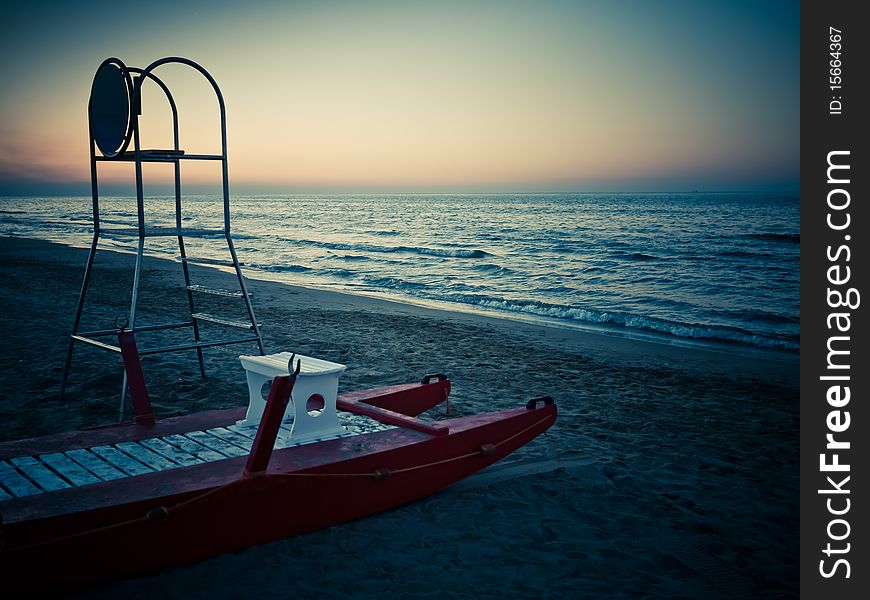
709	268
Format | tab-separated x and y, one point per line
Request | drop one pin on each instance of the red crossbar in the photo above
389	417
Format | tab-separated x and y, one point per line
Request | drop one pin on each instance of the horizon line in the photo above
333	192
430	193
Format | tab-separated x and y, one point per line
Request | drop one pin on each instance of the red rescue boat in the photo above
127	499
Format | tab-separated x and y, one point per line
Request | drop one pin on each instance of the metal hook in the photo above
294	372
118	321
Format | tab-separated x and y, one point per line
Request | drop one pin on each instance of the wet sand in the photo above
671	472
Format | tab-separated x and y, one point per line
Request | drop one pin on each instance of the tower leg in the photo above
132	324
243	286
75	328
186	270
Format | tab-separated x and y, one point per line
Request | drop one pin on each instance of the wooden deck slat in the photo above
350	424
282	440
15	482
198	450
231	437
215	443
105	462
69	469
248	432
174	425
40	474
95	464
146	456
361	423
171	452
120	460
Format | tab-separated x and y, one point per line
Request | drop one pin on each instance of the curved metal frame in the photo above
134	85
136	101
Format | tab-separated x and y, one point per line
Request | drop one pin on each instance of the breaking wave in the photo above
682	330
424	250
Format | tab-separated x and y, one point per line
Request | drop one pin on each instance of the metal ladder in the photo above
116	92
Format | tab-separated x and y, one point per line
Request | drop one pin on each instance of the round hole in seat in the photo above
315	405
265	389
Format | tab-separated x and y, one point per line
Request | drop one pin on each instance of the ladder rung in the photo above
153	151
220	321
196	345
215	292
164	232
104	346
207	261
136	329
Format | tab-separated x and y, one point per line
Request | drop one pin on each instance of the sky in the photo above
447	96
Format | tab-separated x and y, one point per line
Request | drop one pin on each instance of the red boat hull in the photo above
123	528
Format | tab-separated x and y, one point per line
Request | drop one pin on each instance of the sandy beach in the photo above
671	472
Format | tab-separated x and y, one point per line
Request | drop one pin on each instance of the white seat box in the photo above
312	401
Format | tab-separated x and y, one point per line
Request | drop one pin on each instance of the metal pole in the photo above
136	273
247	297
181	250
88	266
75	327
140	209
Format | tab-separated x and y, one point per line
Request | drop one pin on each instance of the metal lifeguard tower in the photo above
113	115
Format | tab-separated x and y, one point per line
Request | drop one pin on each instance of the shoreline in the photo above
581	337
605	329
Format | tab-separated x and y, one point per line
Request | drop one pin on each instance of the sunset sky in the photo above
421	96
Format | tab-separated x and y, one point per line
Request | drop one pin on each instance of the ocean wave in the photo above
279	268
492	268
564	247
682	330
341	273
353	257
424	250
445	252
636	256
393	283
776	237
742	254
763	316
